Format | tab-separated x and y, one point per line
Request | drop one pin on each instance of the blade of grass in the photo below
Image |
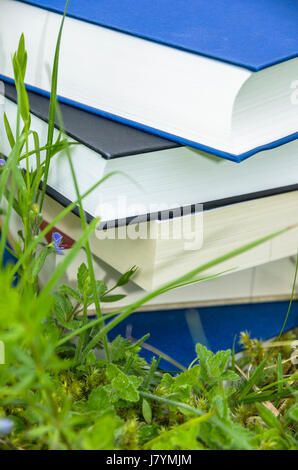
52	109
152	370
253	379
11	162
54	148
284	380
87	245
4	228
201	279
139	342
279	373
36	149
167	401
266	396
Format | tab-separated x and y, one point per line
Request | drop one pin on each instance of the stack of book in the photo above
193	104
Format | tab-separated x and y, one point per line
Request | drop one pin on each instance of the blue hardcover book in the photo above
174	333
218	76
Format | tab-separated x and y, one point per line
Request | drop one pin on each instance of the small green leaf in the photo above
219	402
101	288
39	261
83	278
101	436
22	56
8	130
268	417
37	146
99	399
219	362
153	368
212	365
69	291
23	100
293	412
205	357
230	375
125	278
62	311
124	385
39	431
147	411
90	359
118	348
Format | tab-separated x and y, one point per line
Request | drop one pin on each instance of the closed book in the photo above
217	76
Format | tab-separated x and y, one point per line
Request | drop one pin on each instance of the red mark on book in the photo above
67	242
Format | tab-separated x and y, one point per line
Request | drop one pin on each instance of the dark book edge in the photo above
175	212
107	137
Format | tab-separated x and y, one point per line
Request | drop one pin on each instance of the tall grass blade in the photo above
253	379
279	373
52	109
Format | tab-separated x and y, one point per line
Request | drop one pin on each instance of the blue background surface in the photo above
175	332
251	33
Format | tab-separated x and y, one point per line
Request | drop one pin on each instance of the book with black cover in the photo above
109	138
